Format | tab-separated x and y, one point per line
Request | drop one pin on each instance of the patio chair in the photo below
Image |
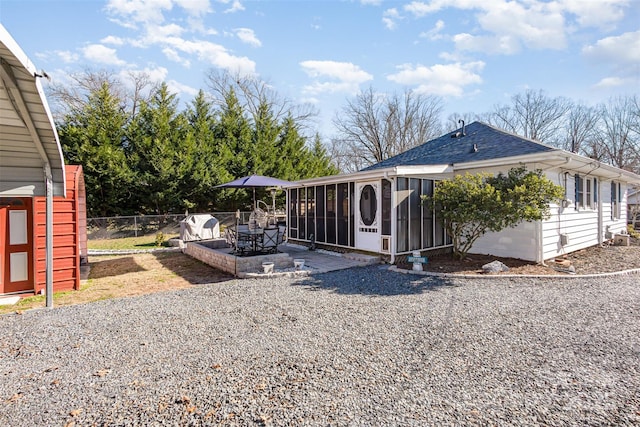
269	241
230	237
238	243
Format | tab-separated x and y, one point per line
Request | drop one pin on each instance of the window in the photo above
579	193
331	213
342	213
415	214
386	207
402	214
368	205
615	200
293	213
586	192
320	216
427	215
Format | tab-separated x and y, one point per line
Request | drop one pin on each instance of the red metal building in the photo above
23	219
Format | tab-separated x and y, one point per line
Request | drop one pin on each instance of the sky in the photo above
474	54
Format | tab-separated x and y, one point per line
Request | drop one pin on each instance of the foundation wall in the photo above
233	264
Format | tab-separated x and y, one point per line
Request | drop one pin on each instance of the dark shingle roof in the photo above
491	143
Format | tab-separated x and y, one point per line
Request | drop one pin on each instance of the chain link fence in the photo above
144	225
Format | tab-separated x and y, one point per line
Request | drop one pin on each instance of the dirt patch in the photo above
117	276
591	260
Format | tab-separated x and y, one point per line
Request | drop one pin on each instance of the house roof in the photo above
28	137
482	146
479	142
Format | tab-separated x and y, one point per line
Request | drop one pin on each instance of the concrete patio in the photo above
216	254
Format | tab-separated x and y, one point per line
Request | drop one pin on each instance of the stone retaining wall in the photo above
233	264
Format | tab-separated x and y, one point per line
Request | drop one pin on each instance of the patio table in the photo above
253	236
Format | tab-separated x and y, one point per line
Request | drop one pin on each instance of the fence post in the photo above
135	225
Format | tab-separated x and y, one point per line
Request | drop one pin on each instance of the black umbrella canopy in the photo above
254	181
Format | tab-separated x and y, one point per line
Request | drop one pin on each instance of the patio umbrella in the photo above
255	181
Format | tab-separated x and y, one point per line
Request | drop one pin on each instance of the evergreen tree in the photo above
93	136
161	153
233	131
209	157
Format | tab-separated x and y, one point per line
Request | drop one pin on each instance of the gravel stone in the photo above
363	346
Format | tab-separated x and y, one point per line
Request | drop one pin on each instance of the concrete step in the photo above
367	259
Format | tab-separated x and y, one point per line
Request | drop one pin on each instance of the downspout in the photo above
49	235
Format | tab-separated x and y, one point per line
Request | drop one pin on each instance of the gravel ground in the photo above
362	346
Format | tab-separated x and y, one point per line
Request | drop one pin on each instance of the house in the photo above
633	207
379	210
42	209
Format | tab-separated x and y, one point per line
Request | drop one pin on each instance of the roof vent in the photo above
460	133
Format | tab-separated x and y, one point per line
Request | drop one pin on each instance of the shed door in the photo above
16	245
368	217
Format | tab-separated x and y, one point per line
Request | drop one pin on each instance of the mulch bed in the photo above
591	260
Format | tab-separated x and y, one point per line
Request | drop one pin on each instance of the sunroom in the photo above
376	211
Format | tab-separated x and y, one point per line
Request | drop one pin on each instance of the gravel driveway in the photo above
362	346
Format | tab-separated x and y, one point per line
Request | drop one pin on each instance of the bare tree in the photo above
141	89
581	124
374	127
533	115
618	135
255	96
72	96
453	121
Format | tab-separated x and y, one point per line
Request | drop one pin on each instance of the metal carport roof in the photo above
29	142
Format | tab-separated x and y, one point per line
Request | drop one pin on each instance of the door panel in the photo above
16	247
368	216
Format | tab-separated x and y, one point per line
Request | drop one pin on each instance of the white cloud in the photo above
246	35
146	11
439	79
67	56
334	77
174	56
600	14
505	45
179	88
621	54
420	9
435	32
389	18
102	54
508	26
114	40
155	75
612	82
623	49
539	26
371	2
214	54
195	7
236	6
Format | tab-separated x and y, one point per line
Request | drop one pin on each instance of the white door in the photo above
368	216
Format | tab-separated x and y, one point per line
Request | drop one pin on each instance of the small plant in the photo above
632	231
159	239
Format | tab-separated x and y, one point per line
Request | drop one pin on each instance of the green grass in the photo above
142	242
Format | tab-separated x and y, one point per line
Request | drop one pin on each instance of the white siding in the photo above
516	242
579	226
